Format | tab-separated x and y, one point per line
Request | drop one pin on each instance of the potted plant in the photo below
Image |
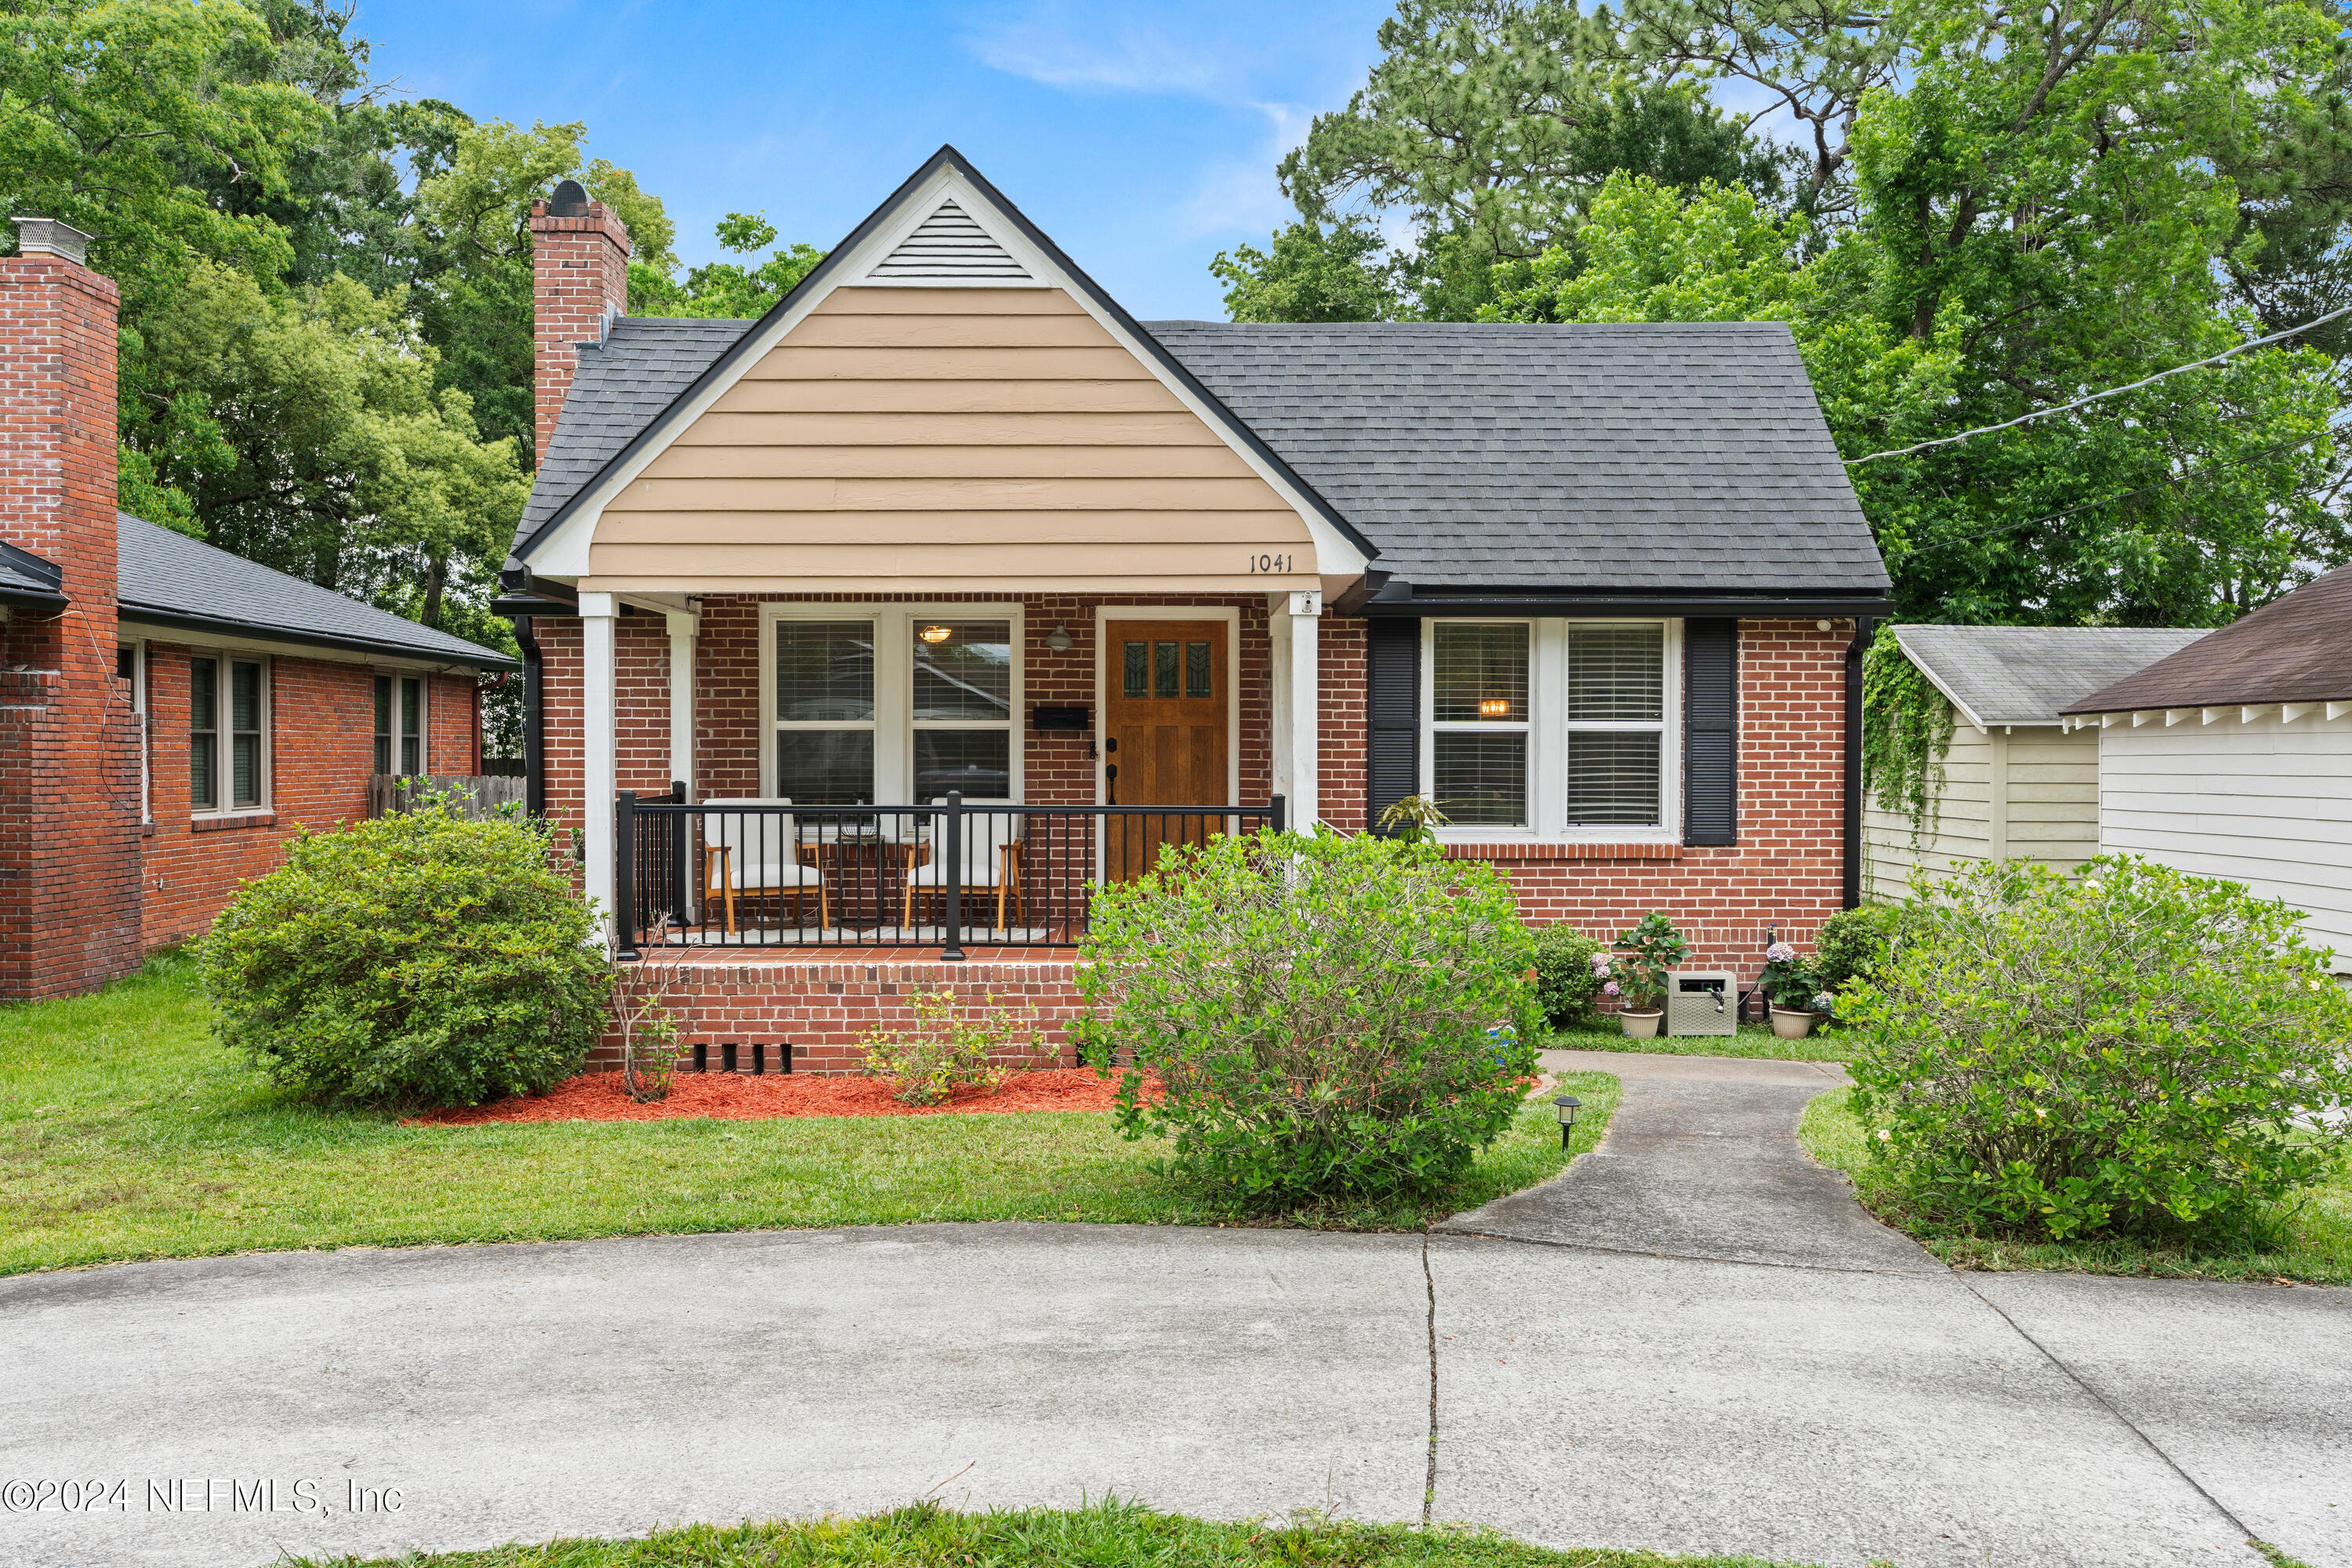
1639	973
1794	990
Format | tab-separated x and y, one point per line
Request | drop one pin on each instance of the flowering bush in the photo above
1639	974
2129	1049
1788	981
947	1049
1323	1013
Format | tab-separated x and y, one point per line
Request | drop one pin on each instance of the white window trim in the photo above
423	719
224	766
893	722
1548	730
137	647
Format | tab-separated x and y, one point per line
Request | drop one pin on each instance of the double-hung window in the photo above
1552	728
399	724
890	704
227	734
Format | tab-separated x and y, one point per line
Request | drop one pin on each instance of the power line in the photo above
2111	392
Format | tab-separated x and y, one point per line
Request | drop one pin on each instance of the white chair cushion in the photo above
766	846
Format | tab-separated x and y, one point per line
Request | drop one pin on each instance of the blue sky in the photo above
1142	137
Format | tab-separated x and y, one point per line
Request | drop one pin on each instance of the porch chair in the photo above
758	856
992	863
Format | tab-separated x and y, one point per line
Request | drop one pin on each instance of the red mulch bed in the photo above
735	1097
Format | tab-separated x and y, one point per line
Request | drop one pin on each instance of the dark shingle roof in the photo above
28	579
2294	650
1679	457
641	367
2027	674
165	575
1675	457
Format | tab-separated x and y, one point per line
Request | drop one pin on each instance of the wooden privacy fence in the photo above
471	795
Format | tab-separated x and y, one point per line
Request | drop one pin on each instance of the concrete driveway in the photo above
1594	1388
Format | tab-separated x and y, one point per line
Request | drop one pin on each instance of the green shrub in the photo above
2130	1048
414	961
1327	1016
1853	944
1566	981
945	1049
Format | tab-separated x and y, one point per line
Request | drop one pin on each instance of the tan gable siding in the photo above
910	437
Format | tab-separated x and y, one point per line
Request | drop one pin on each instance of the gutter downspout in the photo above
1865	628
535	749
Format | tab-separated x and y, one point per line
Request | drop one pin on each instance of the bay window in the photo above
890	704
1552	728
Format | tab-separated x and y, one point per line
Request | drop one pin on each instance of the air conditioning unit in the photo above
1702	1002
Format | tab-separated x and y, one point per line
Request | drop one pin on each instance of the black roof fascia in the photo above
1524	601
515	605
32	598
517	578
48	593
148	615
835	259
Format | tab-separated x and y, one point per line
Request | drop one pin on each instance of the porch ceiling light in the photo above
935	634
1567	1106
1494	708
1058	639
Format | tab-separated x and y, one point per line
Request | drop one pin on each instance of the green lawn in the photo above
127	1131
2309	1241
1099	1536
1753	1040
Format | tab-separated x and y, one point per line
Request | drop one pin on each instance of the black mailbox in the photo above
1047	719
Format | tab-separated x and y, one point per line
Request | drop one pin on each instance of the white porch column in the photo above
1277	627
681	699
598	746
1304	725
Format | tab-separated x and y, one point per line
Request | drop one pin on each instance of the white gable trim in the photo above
563	553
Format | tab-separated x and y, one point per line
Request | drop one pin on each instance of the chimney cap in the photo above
48	237
570	199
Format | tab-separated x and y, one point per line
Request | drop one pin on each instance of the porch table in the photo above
865	874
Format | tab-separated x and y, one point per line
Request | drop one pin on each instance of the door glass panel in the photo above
1163	669
825	767
1481	780
1196	669
1136	670
978	763
825	669
963	670
1482	674
1616	674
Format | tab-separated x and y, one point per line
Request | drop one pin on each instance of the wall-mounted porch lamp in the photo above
1058	639
1567	1105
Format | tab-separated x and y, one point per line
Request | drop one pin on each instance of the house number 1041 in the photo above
1268	564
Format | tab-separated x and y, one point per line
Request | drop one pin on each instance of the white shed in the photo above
2015	783
2233	757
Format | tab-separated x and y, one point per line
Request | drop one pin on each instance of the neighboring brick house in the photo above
948	517
169	713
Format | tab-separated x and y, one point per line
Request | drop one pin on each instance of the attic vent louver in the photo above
950	246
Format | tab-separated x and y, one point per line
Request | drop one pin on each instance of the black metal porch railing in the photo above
761	873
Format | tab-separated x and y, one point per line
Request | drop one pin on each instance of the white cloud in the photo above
1052	52
1243	194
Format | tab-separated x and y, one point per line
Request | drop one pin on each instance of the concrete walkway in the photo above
1709	1385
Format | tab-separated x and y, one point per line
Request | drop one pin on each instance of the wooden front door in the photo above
1165	723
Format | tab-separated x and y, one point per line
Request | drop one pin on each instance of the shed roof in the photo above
2297	648
168	578
2028	675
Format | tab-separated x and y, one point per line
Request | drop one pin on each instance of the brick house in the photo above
169	713
948	521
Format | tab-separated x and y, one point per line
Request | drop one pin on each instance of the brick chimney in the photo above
69	743
580	283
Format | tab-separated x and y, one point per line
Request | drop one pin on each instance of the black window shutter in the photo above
1711	731
1392	763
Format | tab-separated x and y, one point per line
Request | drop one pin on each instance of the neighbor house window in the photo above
399	724
1555	727
228	718
893	705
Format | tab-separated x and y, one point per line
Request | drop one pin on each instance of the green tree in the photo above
1310	273
1491	123
726	290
